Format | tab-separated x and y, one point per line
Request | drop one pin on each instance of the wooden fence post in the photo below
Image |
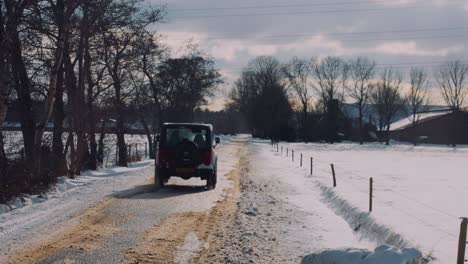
462	241
116	154
311	166
129	158
137	156
146	150
287	152
371	182
301	160
292	152
333	174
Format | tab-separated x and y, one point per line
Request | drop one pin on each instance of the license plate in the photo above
184	170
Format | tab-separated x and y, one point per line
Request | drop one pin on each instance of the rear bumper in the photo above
197	173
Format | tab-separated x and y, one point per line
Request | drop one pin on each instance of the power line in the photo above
339	34
378	65
276	6
298	12
442	37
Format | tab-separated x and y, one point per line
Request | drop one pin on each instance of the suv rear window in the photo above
172	136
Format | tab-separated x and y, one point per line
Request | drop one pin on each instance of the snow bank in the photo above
384	254
65	184
361	222
4	208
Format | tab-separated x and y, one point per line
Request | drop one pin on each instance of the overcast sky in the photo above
401	33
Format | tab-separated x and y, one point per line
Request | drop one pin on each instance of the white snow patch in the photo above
4	208
189	249
382	255
361	222
406	122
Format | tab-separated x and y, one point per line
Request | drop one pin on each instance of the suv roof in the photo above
189	124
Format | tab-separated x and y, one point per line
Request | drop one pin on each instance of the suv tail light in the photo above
206	157
163	155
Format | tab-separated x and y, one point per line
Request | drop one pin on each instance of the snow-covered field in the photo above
419	192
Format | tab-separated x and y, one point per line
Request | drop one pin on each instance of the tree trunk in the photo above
361	132
387	135
100	152
413	133
121	146
148	135
70	81
305	135
93	157
23	90
70	145
59	117
3	90
61	25
82	159
455	128
120	126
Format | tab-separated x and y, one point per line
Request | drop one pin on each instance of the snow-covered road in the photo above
25	225
124	195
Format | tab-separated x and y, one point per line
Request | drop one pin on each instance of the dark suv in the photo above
186	150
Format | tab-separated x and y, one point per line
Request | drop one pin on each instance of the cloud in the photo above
397	2
411	48
221	37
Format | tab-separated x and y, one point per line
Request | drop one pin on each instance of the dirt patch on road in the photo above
91	230
162	242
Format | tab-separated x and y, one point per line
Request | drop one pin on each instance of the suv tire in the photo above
159	179
212	179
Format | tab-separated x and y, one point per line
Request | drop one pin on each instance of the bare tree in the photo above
416	98
3	85
63	11
330	76
361	72
14	12
119	37
260	94
387	99
142	105
451	78
298	73
152	53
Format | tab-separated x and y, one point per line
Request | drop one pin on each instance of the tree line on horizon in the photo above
89	61
303	99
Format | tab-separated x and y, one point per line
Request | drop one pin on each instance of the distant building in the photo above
435	127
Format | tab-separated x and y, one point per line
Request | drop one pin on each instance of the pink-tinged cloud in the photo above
412	49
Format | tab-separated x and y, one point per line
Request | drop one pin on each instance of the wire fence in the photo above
137	148
352	181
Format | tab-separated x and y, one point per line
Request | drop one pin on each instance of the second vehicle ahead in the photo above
186	150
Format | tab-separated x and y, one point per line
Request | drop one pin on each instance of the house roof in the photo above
423	117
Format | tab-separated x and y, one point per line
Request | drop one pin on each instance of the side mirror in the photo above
217	140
